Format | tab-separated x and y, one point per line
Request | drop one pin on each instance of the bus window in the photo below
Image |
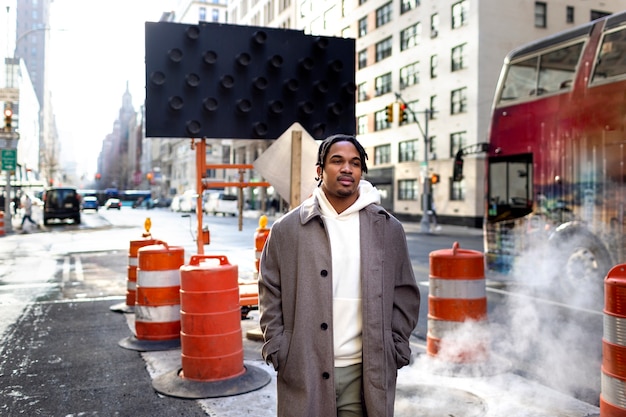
557	68
521	79
612	56
550	72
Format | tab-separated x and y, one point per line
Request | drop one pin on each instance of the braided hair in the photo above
322	152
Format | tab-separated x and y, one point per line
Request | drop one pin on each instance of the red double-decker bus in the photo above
556	190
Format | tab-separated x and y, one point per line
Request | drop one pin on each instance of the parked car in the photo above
188	201
61	203
90	203
219	202
175	204
113	203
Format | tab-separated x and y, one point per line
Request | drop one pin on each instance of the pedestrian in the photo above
432	212
27	206
337	295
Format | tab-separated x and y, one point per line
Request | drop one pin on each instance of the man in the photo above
337	295
27	205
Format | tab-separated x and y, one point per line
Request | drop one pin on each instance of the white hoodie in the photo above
344	235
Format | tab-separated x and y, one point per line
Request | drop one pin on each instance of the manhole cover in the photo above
437	401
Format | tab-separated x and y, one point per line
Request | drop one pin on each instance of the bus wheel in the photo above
582	263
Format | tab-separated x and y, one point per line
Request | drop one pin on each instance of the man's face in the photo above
342	173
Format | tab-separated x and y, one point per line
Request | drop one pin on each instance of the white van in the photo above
218	202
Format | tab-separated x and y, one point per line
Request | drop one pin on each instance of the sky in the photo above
96	48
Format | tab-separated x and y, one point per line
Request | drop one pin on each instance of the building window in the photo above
215	15
409	37
202	14
457	142
433	108
433	66
457	190
383	49
408	5
458	55
362	92
362	2
569	14
363	27
541	14
407	190
407	151
383	14
459	14
458	101
383	84
434	25
363	58
382	154
380	120
409	75
595	15
361	125
413	111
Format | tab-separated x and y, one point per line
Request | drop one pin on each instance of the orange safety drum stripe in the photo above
158	296
457	309
152	260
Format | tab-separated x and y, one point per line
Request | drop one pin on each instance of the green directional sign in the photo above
9	159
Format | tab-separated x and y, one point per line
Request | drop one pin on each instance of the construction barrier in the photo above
2	231
211	337
211	340
613	376
260	236
457	295
157	306
131	282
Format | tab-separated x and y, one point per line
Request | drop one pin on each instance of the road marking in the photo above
78	268
66	268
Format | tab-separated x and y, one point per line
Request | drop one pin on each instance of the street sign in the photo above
9	94
9	159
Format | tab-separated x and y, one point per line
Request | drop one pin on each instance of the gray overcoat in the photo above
295	299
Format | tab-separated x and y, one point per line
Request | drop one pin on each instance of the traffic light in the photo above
402	116
434	179
457	170
98	176
8	119
389	113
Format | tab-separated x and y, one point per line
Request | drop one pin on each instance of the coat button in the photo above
324	326
325	375
324	273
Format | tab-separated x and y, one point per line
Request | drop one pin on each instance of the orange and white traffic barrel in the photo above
613	376
157	306
211	337
260	237
2	232
131	282
457	296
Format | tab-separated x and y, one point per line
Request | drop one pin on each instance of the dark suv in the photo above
61	203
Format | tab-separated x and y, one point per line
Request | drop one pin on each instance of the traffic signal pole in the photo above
426	190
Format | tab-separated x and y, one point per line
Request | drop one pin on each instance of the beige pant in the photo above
348	382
